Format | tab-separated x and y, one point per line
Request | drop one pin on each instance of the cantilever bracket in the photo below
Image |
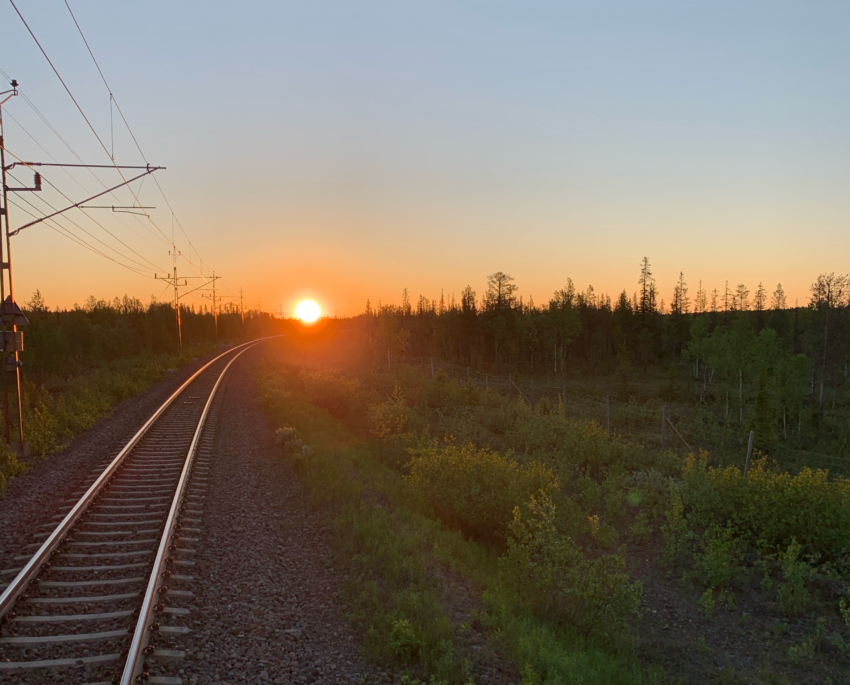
36	182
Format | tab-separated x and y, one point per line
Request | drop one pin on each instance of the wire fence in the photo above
652	427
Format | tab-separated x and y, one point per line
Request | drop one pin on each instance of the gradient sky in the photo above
347	150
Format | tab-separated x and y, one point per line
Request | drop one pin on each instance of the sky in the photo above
344	151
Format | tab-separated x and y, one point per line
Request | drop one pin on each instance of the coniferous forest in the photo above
742	357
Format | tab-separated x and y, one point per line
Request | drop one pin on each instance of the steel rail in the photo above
136	655
26	575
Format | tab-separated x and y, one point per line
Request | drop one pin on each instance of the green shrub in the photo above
9	466
771	508
404	643
465	425
677	535
719	564
446	394
474	489
331	390
793	593
390	417
707	603
648	489
546	570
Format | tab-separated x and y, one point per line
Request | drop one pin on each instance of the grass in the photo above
420	476
59	408
426	595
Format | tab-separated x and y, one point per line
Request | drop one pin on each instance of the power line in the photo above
116	238
132	135
80	109
160	235
70	236
50	126
109	247
67	173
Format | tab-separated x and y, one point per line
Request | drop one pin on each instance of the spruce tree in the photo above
760	303
701	303
779	300
647	288
742	298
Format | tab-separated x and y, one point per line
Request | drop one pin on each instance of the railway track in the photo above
104	593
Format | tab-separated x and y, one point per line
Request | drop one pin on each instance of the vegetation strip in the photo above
550	527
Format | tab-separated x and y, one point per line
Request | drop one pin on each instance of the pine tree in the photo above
714	297
500	293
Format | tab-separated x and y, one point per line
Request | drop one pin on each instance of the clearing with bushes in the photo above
487	540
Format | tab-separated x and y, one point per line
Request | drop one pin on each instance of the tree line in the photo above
66	341
744	357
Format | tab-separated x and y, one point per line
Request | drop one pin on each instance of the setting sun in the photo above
308	311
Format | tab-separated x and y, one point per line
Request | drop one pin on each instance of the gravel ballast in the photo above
32	498
268	602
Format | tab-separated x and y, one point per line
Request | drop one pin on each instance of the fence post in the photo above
608	415
749	452
564	395
664	427
432	368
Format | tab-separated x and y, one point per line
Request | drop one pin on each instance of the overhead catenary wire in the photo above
80	109
113	99
148	226
158	232
46	180
73	178
50	126
70	236
109	247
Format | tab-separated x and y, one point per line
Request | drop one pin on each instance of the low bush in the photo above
331	390
474	489
770	509
390	417
793	592
9	467
546	570
719	565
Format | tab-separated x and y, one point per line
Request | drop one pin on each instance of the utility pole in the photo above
214	303
174	253
11	317
10	311
215	310
173	281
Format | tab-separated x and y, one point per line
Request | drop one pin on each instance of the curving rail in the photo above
109	533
